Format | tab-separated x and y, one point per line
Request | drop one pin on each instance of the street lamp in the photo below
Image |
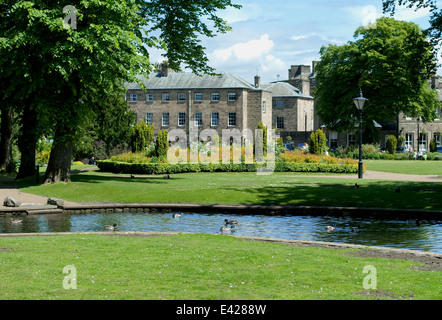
359	102
418	142
305	125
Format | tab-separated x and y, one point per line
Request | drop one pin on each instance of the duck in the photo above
356	229
225	229
397	190
177	215
166	176
415	221
355	186
330	228
113	227
231	222
16	221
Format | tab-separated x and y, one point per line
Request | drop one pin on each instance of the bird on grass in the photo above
330	228
356	229
166	176
397	190
355	186
177	215
231	222
113	227
132	176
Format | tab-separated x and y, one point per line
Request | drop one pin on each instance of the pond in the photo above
425	236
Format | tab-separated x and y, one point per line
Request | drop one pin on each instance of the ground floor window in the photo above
438	139
181	118
149	118
215	119
165	119
351	139
232	119
279	122
198	119
408	141
423	141
333	139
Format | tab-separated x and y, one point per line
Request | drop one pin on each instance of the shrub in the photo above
391	144
130	157
162	143
317	142
433	145
142	136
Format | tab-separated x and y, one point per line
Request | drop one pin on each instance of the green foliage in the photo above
390	63
317	142
391	144
163	168
433	145
262	141
162	143
142	136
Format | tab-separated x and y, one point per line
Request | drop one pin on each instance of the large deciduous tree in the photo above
391	63
61	66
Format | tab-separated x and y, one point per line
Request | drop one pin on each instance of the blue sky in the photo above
269	36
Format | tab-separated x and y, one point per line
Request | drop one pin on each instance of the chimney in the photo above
163	69
257	81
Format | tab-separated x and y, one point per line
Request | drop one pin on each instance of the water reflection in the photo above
390	233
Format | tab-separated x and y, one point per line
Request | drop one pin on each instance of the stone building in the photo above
194	103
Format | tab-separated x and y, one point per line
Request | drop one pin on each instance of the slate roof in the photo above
184	80
284	89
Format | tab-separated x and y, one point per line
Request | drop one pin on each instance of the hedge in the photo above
166	168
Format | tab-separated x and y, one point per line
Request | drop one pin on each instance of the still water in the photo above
426	236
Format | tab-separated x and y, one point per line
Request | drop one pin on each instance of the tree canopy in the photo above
58	71
391	63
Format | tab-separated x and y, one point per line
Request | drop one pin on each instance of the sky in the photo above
270	36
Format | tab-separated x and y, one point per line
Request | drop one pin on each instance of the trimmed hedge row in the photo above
165	168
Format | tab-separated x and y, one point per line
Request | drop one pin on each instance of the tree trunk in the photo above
27	143
59	166
6	164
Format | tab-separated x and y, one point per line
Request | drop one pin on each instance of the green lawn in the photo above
247	188
406	166
197	266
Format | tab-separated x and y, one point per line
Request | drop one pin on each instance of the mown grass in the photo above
245	188
406	166
198	266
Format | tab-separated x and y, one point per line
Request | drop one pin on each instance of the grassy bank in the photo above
198	266
406	166
247	188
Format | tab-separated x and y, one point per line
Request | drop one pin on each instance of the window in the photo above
263	107
149	97
231	97
408	141
165	97
198	119
422	141
165	119
149	118
215	96
215	119
438	139
198	97
181	118
181	97
351	139
232	119
279	103
333	139
438	113
279	122
133	97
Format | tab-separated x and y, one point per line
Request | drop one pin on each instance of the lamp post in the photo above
305	125
359	102
418	142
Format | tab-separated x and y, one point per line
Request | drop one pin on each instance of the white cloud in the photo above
245	51
409	14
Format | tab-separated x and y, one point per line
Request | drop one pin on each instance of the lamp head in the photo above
360	101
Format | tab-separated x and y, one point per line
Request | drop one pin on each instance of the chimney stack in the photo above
257	81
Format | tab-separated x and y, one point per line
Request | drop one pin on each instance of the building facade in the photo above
194	103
